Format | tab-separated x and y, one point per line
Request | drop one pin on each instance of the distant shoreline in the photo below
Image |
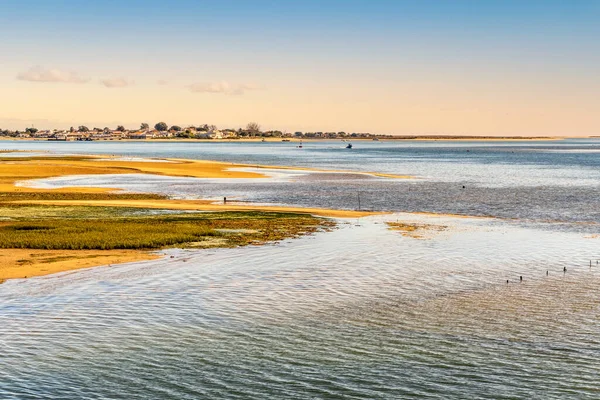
297	140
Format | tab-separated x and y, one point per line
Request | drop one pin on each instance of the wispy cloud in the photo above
40	74
116	82
162	82
223	87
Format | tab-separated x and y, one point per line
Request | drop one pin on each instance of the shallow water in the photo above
360	312
332	315
536	180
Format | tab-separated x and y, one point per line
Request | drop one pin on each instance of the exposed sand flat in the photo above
416	230
186	168
201	205
36	168
25	263
12	171
8	187
22	263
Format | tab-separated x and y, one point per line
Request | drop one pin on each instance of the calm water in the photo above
538	181
360	312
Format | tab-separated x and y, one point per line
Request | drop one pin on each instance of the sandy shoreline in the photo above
25	263
22	169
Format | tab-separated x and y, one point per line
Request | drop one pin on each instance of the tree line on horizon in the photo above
144	126
252	129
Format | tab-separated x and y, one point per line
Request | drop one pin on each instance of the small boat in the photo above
300	146
349	146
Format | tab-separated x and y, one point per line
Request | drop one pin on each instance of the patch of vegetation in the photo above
27	159
34	211
414	230
21	196
156	231
50	260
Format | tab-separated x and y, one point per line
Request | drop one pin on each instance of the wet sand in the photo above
15	170
21	263
26	263
47	167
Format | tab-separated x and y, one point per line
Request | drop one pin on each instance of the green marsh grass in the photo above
34	211
25	195
152	232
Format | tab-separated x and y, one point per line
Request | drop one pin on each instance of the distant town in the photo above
161	130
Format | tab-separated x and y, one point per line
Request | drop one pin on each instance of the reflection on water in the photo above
572	205
359	312
533	180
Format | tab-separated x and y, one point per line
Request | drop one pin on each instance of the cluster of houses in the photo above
205	132
120	134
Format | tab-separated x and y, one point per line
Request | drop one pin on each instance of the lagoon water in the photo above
530	180
360	312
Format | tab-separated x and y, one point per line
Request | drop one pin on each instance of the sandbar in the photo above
26	263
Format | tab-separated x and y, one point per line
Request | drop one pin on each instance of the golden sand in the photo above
25	169
414	230
21	263
11	171
25	263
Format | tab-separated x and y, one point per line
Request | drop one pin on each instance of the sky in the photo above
422	67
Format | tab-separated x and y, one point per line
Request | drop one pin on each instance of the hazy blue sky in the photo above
404	67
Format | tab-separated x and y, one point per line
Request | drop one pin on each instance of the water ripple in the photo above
330	316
